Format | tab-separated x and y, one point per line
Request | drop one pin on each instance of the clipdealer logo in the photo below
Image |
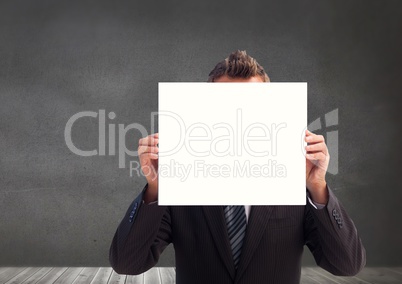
107	131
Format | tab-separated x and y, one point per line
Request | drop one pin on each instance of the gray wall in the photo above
62	57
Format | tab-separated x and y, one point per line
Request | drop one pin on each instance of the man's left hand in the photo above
317	160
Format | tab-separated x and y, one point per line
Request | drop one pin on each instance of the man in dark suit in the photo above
269	240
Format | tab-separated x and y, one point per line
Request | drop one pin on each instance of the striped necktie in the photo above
236	225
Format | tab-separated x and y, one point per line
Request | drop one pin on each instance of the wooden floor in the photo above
78	275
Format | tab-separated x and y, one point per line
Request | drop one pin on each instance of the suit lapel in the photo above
216	222
256	225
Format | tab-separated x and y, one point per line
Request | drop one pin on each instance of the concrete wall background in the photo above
58	58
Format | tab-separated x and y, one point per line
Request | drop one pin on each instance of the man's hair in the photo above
238	65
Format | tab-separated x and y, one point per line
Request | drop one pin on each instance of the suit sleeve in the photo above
140	238
332	238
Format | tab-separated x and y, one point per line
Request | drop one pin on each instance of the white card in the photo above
232	143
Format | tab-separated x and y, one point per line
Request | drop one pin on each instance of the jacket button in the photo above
334	213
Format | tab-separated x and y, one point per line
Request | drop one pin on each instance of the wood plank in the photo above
152	276
135	279
393	271
343	279
53	275
23	275
311	273
168	275
117	278
4	269
10	273
86	275
389	273
305	279
396	269
376	276
103	275
38	275
69	275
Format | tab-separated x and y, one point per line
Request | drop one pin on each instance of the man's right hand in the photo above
148	154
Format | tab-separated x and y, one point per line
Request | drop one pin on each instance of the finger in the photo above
314	138
319	156
149	140
147	149
151	156
318	147
155	135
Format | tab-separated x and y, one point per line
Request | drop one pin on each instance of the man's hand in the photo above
148	154
317	159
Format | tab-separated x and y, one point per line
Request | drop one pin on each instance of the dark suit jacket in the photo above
272	249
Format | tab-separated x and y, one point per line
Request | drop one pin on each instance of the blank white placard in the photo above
232	143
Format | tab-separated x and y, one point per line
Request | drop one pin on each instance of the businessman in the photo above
239	244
